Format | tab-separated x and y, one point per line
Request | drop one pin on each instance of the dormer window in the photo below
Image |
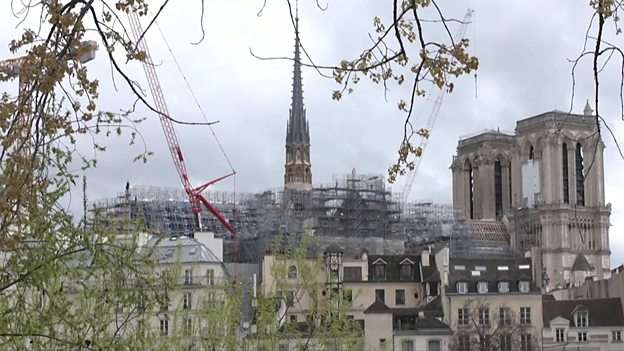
406	272
524	286
503	287
462	287
482	287
379	269
581	319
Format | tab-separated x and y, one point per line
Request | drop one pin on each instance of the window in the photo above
188	277
580	176
188	326
564	172
582	318
463	342
460	267
498	188
186	301
210	277
484	316
405	272
380	295
352	274
616	336
481	268
503	268
379	271
482	287
524	266
164	305
292	272
462	287
462	316
582	337
471	189
504	316
290	298
382	344
407	345
293	318
505	342
164	327
525	315
503	287
484	342
434	345
525	342
211	300
399	295
560	335
524	286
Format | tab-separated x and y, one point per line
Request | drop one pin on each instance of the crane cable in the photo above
201	110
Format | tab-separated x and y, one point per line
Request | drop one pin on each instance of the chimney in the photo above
424	257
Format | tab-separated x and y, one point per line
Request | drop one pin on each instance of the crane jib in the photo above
194	195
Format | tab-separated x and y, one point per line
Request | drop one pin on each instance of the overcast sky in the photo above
523	47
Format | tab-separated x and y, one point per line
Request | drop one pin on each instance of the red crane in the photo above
194	193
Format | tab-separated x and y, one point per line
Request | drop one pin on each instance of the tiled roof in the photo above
489	230
602	312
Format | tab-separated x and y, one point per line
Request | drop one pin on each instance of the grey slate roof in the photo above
393	267
378	307
182	249
581	264
491	274
602	312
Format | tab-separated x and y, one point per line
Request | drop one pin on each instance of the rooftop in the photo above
602	312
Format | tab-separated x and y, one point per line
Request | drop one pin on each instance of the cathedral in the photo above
545	183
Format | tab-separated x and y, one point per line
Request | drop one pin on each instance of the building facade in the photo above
493	304
545	181
583	325
394	299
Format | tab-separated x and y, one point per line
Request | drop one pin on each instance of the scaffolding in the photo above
353	207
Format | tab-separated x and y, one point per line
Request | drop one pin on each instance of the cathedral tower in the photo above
298	173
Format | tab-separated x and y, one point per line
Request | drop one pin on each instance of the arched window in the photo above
580	176
531	152
509	180
564	173
498	187
471	189
292	272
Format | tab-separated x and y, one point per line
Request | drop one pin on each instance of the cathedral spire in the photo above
297	124
298	173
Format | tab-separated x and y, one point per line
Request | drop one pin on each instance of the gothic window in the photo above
580	176
564	170
509	180
498	188
471	189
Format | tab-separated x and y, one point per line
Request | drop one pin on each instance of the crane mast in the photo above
194	193
435	111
